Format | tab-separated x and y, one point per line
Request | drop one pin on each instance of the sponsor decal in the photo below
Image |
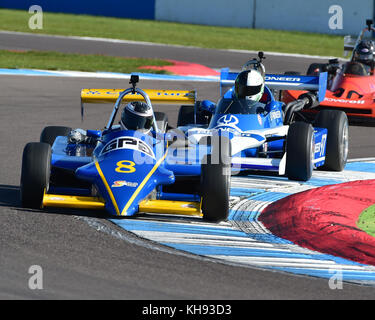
122	183
345	101
275	115
260	119
320	146
188	206
228	120
228	123
128	143
57	199
282	78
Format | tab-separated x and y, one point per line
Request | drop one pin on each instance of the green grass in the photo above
176	33
49	60
366	221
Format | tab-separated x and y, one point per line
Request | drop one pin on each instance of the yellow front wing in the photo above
152	206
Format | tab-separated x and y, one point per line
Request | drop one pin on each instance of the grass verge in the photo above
49	60
177	33
366	221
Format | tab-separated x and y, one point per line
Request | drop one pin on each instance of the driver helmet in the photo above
364	52
249	85
254	64
137	115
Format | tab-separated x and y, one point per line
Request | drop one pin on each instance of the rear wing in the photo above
281	82
156	96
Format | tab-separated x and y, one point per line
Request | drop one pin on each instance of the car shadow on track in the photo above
10	197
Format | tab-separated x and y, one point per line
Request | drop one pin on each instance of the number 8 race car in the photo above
123	171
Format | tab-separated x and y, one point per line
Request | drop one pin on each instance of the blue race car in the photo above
267	135
122	170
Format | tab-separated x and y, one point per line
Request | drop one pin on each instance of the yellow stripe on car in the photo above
143	184
107	187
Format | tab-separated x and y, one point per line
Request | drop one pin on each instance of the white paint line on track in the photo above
290	262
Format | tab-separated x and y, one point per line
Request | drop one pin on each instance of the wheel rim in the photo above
312	155
345	143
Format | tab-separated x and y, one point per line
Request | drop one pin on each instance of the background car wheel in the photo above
185	116
35	175
161	121
50	133
215	181
315	68
299	151
337	138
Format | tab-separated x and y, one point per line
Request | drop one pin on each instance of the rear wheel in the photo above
50	133
337	146
185	116
215	181
315	68
299	151
35	175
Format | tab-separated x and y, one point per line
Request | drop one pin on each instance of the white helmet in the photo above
249	85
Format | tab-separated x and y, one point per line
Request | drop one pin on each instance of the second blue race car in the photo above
267	135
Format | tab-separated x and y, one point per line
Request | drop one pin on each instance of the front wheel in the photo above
215	181
299	151
337	147
50	133
35	175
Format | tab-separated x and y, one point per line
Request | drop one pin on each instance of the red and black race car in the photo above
351	86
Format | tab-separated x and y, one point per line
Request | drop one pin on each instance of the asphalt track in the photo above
81	262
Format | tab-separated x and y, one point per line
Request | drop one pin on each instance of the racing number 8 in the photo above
125	166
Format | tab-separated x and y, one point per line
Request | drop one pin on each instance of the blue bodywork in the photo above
265	130
124	166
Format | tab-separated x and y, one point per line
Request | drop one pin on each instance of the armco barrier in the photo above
297	15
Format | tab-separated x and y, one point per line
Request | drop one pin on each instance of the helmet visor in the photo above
133	121
246	91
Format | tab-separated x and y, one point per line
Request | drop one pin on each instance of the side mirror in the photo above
94	133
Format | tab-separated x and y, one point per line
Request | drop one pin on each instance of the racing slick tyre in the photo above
299	151
161	121
337	145
35	175
215	181
50	133
185	116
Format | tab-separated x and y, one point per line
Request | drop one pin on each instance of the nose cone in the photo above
123	183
